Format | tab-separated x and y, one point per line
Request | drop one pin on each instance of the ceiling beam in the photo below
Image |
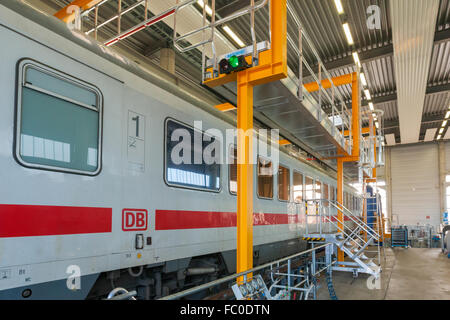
373	54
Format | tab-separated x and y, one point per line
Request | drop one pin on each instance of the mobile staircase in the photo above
353	237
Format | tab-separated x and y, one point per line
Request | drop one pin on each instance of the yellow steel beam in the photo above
326	84
356	124
225	107
365	130
284	142
67	15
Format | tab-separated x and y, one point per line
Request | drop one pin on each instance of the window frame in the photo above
303	185
257	179
313	188
22	67
230	147
176	186
289	184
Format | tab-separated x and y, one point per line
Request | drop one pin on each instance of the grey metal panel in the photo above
54	290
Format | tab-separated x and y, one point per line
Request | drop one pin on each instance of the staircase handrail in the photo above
355	219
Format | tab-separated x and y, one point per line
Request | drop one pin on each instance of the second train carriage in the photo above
88	189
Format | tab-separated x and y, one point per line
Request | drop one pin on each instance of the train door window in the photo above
265	178
183	168
232	170
284	183
298	186
326	194
309	188
59	124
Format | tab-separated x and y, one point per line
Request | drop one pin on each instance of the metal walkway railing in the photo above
353	236
286	276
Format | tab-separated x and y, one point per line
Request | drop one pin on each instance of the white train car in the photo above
87	189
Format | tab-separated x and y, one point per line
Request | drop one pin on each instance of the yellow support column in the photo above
245	174
272	67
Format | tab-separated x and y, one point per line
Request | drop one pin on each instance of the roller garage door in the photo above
415	184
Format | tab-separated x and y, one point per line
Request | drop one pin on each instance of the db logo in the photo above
134	219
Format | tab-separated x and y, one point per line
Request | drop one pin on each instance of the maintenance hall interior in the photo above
224	150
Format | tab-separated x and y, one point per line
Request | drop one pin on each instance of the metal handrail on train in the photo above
244	274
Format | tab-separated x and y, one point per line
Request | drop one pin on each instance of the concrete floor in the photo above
408	274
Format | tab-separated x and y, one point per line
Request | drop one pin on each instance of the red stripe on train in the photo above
175	220
30	221
179	220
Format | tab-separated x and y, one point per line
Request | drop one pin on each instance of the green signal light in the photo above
234	61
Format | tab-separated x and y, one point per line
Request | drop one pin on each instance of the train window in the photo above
232	170
309	188
58	121
265	178
345	200
298	187
332	193
326	194
181	167
284	183
318	190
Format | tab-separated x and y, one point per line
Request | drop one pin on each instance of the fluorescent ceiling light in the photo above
367	93
441	131
348	34
439	137
207	9
234	36
447	135
363	80
356	58
377	125
444	124
371	106
447	115
339	7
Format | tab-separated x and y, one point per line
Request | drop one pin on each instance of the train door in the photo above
135	239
